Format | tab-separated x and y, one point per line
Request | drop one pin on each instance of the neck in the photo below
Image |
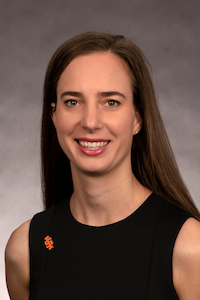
104	199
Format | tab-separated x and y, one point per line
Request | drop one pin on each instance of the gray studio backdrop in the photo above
30	31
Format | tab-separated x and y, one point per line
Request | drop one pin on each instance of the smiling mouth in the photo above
92	145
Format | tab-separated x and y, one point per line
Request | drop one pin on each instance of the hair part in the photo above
153	162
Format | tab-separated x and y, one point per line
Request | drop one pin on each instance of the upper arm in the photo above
17	263
186	261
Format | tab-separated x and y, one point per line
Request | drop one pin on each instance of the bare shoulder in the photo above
186	261
17	263
18	243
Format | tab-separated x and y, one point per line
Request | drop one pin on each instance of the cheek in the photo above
64	125
123	126
64	129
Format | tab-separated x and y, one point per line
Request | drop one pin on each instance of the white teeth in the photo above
92	145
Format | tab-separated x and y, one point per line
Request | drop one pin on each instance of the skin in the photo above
99	180
17	263
105	190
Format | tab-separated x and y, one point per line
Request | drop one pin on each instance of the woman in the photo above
119	221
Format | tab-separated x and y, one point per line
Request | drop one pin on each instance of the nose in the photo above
91	118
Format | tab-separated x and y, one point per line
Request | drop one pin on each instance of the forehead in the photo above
103	70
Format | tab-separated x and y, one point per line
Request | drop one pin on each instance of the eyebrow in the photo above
112	93
75	94
103	94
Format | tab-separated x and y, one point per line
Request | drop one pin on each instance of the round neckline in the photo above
111	224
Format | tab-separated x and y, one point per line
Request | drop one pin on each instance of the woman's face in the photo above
94	117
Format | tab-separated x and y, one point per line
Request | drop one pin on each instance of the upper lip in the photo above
92	140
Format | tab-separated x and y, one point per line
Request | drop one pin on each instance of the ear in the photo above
53	112
137	123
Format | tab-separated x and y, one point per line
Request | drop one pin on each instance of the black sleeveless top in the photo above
130	259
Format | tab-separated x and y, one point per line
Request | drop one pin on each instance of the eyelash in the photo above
114	101
70	101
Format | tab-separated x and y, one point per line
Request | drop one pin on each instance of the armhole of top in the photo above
38	230
169	224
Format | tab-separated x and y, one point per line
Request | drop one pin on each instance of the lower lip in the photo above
92	152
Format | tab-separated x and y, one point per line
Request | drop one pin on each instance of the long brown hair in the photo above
153	161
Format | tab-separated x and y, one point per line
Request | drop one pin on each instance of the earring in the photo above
136	132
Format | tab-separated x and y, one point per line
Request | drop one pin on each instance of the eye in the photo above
112	103
71	102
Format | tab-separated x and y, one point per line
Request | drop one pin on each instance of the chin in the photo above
91	169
